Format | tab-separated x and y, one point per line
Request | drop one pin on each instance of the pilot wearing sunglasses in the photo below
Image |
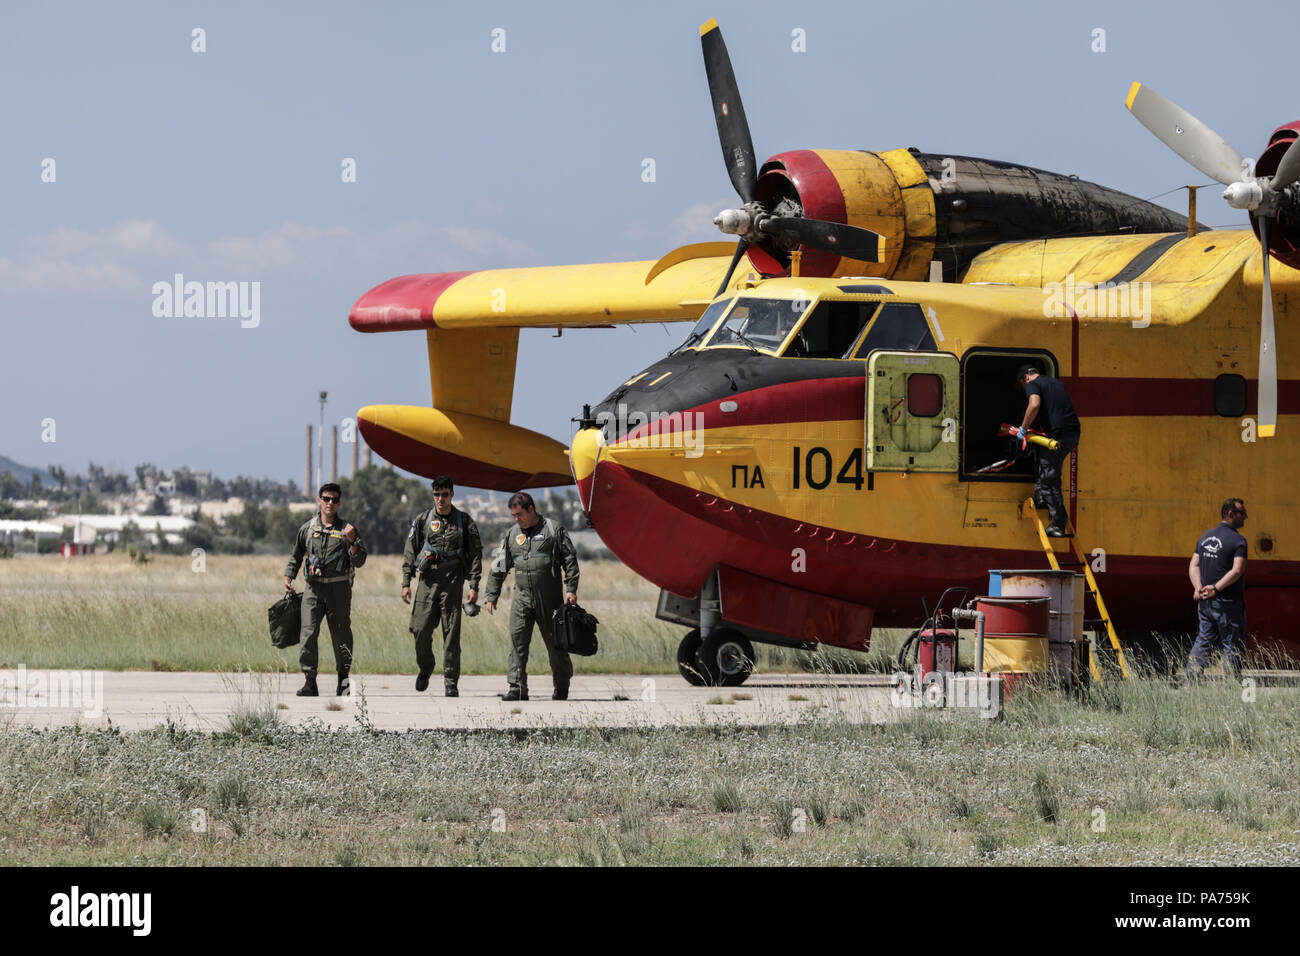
332	550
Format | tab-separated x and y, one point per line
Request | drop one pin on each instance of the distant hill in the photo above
24	473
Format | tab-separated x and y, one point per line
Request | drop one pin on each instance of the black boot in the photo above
422	680
561	693
308	688
345	686
449	690
514	693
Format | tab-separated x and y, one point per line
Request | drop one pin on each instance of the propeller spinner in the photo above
753	220
1264	197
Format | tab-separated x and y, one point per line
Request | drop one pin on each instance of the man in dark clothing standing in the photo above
1050	404
1217	568
442	552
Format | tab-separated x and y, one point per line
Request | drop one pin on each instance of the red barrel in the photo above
1015	633
1015	616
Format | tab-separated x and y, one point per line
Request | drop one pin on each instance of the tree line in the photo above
378	500
99	482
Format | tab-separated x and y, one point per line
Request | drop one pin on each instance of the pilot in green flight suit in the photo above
540	552
451	539
332	549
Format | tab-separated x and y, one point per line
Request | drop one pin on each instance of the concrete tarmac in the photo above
133	700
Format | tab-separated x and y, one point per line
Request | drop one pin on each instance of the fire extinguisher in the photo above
936	652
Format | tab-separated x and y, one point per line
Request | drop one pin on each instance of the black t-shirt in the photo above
1217	548
1056	417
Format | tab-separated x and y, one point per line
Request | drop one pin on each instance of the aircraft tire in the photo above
726	659
687	664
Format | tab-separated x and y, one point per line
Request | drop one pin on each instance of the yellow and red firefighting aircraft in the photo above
822	451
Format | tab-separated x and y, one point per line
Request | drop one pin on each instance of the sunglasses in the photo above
329	500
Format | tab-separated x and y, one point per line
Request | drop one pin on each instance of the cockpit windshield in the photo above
702	327
760	324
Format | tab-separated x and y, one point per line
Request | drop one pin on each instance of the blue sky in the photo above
225	166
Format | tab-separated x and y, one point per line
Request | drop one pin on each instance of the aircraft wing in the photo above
471	322
675	288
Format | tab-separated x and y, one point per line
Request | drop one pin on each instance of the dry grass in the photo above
111	613
108	612
1194	776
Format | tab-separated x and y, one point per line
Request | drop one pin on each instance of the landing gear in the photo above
687	664
726	658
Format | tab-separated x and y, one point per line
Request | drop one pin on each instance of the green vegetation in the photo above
1124	773
175	613
69	489
381	503
727	797
1061	780
114	613
376	499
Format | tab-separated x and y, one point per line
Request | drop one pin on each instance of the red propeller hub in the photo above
803	178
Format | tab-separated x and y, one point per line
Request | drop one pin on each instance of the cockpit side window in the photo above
759	323
703	326
831	330
899	326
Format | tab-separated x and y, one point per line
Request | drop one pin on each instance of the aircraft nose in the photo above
582	459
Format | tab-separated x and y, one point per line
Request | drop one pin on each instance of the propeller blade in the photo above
851	242
729	113
1185	134
1288	170
735	260
1267	346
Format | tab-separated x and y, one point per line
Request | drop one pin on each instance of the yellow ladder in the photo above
1027	510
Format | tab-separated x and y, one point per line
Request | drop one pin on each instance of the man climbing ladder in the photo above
1050	404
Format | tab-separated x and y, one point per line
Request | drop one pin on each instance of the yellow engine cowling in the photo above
932	207
888	193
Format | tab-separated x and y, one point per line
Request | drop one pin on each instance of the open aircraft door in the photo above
912	404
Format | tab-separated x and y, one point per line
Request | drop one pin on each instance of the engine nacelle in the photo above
928	206
1284	234
849	186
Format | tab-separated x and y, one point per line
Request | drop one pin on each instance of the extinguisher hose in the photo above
907	646
931	624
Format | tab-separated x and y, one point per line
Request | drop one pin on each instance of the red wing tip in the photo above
402	304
